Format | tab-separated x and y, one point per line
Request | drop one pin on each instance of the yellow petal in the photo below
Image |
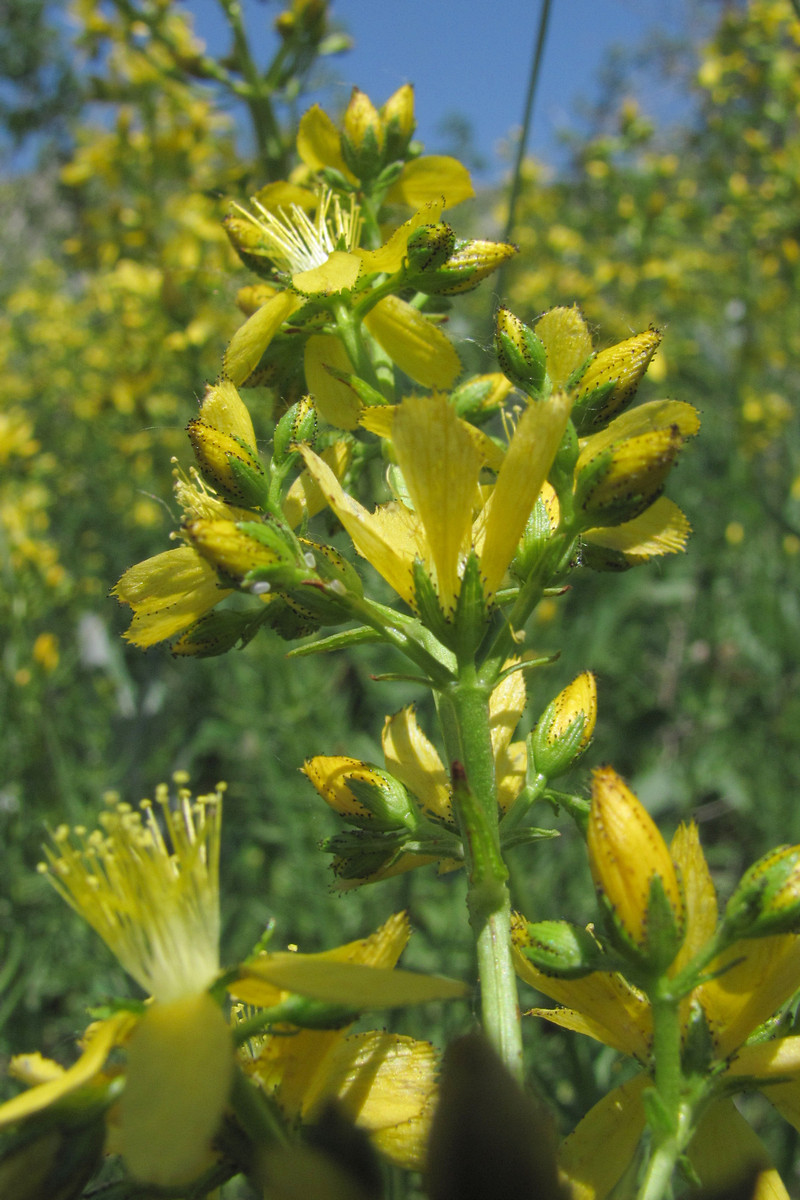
388	538
335	401
786	1098
318	142
414	760
338	273
519	482
414	343
596	1153
224	410
440	466
699	895
726	1152
329	775
660	529
168	593
386	1083
601	1005
429	178
350	984
768	1060
251	339
305	497
647	418
179	1075
763	977
389	257
567	341
99	1041
283	194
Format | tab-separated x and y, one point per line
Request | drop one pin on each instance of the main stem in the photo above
464	716
669	1140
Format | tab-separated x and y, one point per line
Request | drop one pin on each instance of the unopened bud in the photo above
362	136
623	480
560	949
610	380
365	795
480	397
233	550
298	424
470	263
398	122
429	246
633	872
565	728
230	466
520	353
767	899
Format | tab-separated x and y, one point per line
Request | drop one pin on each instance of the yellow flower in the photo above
440	458
744	987
168	594
385	1082
148	883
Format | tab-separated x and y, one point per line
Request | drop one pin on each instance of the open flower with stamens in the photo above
440	457
147	882
315	257
746	985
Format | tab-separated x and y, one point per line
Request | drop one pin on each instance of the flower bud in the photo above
365	795
623	480
767	899
610	380
633	872
230	466
560	949
362	136
480	397
520	353
298	424
565	728
469	264
233	550
398	122
429	246
216	633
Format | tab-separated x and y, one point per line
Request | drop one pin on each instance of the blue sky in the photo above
472	57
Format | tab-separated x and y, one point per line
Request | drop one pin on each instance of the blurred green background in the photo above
117	301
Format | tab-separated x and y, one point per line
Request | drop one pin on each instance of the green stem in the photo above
671	1127
464	715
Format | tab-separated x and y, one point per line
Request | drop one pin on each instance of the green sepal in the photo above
591	476
469	400
53	1155
471	617
426	602
601	558
563	950
320	602
698	1050
366	159
253	485
390	805
589	410
563	469
359	855
521	354
332	566
533	543
218	632
554	758
298	424
428	247
289	619
274	535
388	176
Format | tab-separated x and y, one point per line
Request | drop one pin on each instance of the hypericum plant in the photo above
470	526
